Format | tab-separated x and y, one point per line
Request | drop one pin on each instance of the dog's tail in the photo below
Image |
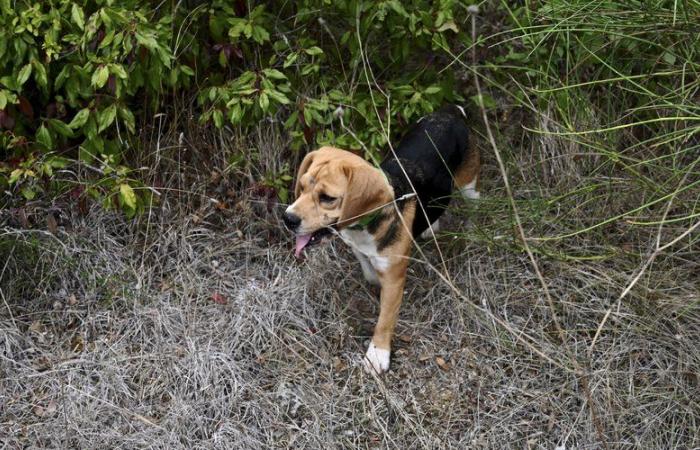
457	110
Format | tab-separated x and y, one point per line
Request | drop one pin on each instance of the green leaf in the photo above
106	118
15	175
23	75
264	101
39	73
62	76
128	118
484	100
187	70
100	77
80	118
118	70
292	120
669	57
109	37
235	114
58	162
432	90
147	41
28	193
60	128
3	99
290	60
313	51
260	34
218	117
127	196
283	195
274	74
223	62
278	97
77	15
44	137
449	25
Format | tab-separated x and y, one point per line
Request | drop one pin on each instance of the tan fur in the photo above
367	191
358	186
469	170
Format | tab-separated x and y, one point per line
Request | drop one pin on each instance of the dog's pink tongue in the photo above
302	240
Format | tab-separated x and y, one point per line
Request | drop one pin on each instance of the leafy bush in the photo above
77	78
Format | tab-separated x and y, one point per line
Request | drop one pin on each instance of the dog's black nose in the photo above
291	221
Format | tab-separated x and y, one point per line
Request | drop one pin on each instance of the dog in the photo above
379	211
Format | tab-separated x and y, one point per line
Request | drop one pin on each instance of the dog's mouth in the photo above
307	240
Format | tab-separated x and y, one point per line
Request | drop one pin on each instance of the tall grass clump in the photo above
605	97
593	110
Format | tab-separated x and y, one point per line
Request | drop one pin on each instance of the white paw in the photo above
376	359
469	191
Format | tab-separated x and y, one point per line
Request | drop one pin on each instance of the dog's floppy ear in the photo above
367	190
308	159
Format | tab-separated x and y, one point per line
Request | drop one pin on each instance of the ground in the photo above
198	329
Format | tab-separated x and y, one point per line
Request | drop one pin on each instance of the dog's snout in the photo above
291	221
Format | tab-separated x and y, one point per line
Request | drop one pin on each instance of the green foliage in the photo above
312	62
78	77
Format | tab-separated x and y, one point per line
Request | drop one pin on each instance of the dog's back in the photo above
431	154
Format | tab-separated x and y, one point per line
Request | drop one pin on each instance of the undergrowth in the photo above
591	342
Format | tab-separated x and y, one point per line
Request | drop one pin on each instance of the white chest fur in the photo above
363	242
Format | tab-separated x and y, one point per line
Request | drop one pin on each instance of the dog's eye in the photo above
326	198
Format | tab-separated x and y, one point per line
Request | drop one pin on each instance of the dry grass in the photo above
194	327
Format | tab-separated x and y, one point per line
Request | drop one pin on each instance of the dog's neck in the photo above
398	173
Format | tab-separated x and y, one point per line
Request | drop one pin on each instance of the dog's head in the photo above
334	188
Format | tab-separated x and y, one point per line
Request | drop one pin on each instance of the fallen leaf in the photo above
51	223
77	344
51	407
24	220
36	327
218	298
405	338
444	365
339	364
41	363
72	300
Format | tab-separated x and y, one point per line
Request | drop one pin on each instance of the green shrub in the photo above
77	78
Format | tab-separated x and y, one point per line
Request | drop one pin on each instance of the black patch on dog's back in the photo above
429	154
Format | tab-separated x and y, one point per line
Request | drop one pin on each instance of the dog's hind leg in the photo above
467	175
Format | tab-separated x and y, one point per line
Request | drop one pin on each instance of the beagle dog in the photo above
379	211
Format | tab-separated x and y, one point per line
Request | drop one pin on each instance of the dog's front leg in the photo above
379	352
